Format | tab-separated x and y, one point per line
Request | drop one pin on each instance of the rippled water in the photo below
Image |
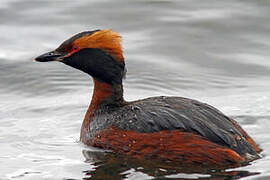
213	51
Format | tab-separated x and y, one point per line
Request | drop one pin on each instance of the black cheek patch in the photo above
98	64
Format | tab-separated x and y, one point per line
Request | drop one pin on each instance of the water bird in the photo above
174	129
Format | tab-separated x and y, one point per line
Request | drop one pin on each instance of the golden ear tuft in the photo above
107	40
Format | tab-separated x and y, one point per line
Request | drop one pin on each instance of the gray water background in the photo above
213	51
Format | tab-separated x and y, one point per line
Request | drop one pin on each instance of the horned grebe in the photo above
168	128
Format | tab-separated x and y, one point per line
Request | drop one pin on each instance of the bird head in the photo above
97	53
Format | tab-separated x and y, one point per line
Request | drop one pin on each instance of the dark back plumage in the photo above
170	113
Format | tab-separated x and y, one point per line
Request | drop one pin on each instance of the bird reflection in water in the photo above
114	166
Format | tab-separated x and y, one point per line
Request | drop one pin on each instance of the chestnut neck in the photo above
105	96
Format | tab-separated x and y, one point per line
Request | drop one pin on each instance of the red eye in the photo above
73	50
